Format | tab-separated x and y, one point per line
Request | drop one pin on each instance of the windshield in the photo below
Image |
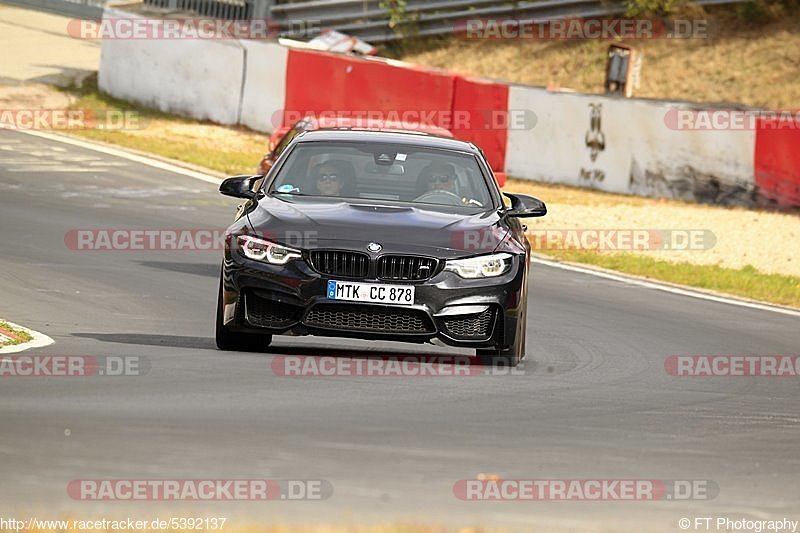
383	171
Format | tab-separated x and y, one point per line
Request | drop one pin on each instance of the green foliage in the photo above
397	12
654	8
764	11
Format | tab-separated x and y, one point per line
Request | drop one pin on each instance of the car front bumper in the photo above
292	300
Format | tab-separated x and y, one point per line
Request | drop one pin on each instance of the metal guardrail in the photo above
222	9
426	18
369	21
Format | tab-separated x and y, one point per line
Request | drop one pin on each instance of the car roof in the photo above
400	137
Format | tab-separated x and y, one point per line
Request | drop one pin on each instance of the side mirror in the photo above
240	186
523	206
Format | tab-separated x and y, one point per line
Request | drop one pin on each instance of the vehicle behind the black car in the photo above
377	235
281	137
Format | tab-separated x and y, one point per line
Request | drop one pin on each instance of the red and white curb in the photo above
38	340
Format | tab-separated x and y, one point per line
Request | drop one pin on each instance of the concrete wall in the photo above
627	146
193	77
264	93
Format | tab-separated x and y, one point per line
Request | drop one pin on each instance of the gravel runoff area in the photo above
768	241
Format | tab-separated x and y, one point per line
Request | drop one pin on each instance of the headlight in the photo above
268	252
485	266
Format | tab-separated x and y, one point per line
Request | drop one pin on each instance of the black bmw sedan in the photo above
377	235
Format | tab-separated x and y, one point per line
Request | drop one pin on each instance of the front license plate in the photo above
370	292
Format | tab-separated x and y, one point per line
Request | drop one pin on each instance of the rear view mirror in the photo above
387	158
393	170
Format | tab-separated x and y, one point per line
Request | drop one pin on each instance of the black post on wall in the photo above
622	70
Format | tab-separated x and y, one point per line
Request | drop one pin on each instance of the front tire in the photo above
230	341
510	356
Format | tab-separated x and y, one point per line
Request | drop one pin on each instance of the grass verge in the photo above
745	54
236	150
745	282
230	150
17	336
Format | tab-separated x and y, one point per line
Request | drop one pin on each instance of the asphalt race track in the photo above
592	400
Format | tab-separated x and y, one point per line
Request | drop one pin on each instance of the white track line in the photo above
668	288
169	167
38	340
591	272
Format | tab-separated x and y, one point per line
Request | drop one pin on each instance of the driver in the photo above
439	177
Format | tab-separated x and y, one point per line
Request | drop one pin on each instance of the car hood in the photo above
306	223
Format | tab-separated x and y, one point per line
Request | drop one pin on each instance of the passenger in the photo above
328	180
335	178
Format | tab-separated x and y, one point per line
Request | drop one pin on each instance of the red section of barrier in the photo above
319	83
777	164
324	84
482	117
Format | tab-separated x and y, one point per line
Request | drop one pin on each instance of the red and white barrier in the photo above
631	146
